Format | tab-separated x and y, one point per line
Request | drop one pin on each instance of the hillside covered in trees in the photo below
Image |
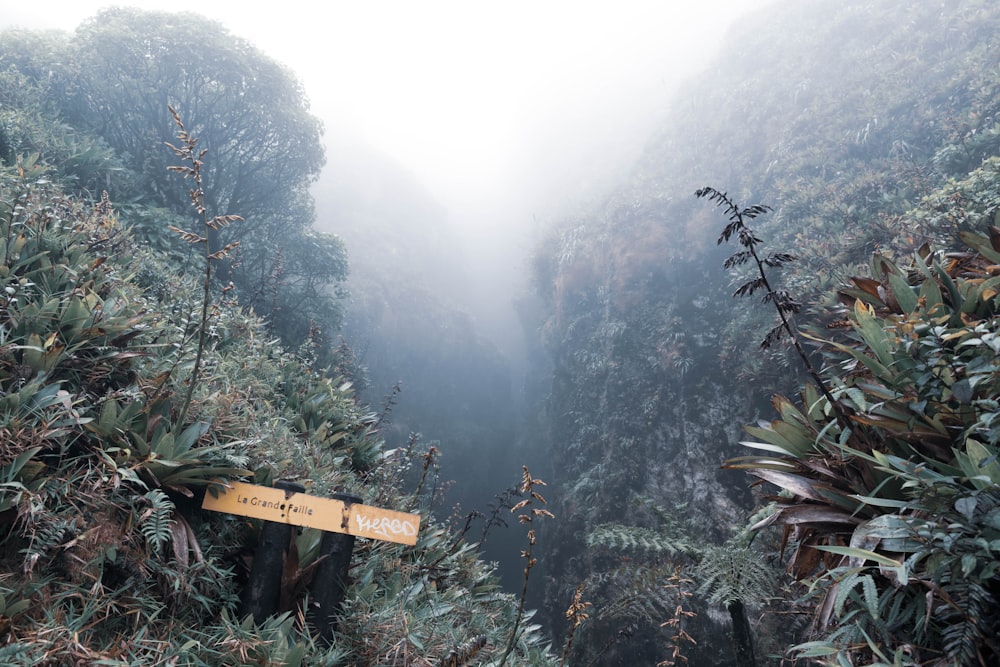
870	132
179	328
171	315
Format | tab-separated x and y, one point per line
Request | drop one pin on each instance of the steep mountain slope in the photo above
841	116
129	382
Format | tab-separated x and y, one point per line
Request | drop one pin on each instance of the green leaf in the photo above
877	368
800	486
817	649
984	460
968	564
11	472
873	332
931	293
861	554
981	244
882	502
791	436
187	439
966	506
884	526
767	447
905	296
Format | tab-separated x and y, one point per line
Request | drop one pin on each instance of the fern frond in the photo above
961	633
734	574
640	594
155	522
617	537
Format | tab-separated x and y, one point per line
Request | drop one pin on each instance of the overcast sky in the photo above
509	113
468	94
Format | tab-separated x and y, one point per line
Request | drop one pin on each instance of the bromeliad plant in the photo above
889	471
108	558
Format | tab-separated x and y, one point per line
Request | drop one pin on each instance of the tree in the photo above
29	116
249	113
247	110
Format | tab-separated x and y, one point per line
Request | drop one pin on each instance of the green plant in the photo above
896	531
731	575
784	304
532	512
194	160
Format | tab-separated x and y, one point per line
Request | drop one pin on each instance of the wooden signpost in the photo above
328	514
342	518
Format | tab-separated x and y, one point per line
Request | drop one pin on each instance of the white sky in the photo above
510	112
467	94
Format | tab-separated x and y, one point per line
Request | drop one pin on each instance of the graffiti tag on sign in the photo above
385	527
299	509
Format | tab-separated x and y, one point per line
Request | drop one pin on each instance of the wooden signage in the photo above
299	509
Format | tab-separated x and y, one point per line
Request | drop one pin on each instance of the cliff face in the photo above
842	117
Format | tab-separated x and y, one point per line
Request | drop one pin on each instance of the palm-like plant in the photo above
893	515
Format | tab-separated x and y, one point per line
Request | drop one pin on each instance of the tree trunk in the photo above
742	638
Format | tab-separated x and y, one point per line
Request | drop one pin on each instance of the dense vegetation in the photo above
109	86
170	314
867	128
135	368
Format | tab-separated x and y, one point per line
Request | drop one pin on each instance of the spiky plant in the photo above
211	226
533	505
784	304
897	534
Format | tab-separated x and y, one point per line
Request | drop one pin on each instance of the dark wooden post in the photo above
260	598
330	581
742	635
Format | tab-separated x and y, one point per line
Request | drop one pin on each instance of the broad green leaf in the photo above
980	243
811	513
791	437
767	447
800	486
894	533
187	439
817	649
882	502
12	470
873	332
860	554
877	368
33	352
931	294
905	296
984	460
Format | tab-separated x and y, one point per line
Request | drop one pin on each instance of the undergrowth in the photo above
125	388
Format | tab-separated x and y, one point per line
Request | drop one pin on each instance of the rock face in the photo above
642	415
841	116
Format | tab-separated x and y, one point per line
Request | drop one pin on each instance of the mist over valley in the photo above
673	327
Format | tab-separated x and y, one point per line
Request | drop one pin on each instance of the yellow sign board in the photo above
299	509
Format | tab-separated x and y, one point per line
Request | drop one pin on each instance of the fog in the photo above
508	114
456	133
536	279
